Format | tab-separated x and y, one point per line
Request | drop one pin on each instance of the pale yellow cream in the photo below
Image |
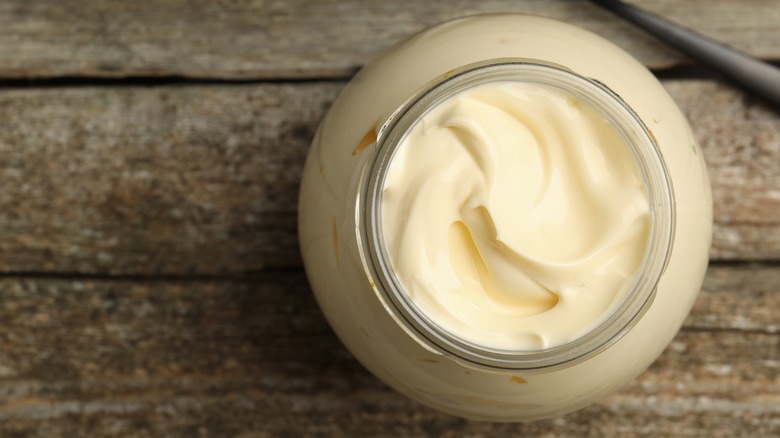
515	216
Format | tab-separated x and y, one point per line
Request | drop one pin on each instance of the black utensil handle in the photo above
752	74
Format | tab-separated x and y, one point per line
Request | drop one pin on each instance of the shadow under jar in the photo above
505	217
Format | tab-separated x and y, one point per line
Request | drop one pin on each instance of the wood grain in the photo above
154	180
254	357
261	39
178	180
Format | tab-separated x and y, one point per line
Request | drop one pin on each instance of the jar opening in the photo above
636	137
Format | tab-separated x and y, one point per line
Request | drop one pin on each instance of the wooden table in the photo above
150	280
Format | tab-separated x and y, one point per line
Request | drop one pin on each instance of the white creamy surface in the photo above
515	217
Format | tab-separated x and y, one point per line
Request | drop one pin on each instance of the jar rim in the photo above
649	160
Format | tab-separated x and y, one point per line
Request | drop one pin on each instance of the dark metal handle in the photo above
752	74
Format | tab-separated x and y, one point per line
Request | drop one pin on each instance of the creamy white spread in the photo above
514	216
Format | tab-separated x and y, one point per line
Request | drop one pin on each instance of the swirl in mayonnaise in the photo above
514	216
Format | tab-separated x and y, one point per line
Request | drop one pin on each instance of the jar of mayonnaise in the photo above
505	217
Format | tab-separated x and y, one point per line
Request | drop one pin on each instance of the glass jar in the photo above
343	244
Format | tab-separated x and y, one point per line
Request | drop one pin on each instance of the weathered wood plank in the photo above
299	38
81	357
154	180
204	179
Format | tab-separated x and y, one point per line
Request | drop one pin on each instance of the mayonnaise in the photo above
515	216
434	261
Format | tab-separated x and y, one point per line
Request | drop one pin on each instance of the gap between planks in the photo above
680	71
